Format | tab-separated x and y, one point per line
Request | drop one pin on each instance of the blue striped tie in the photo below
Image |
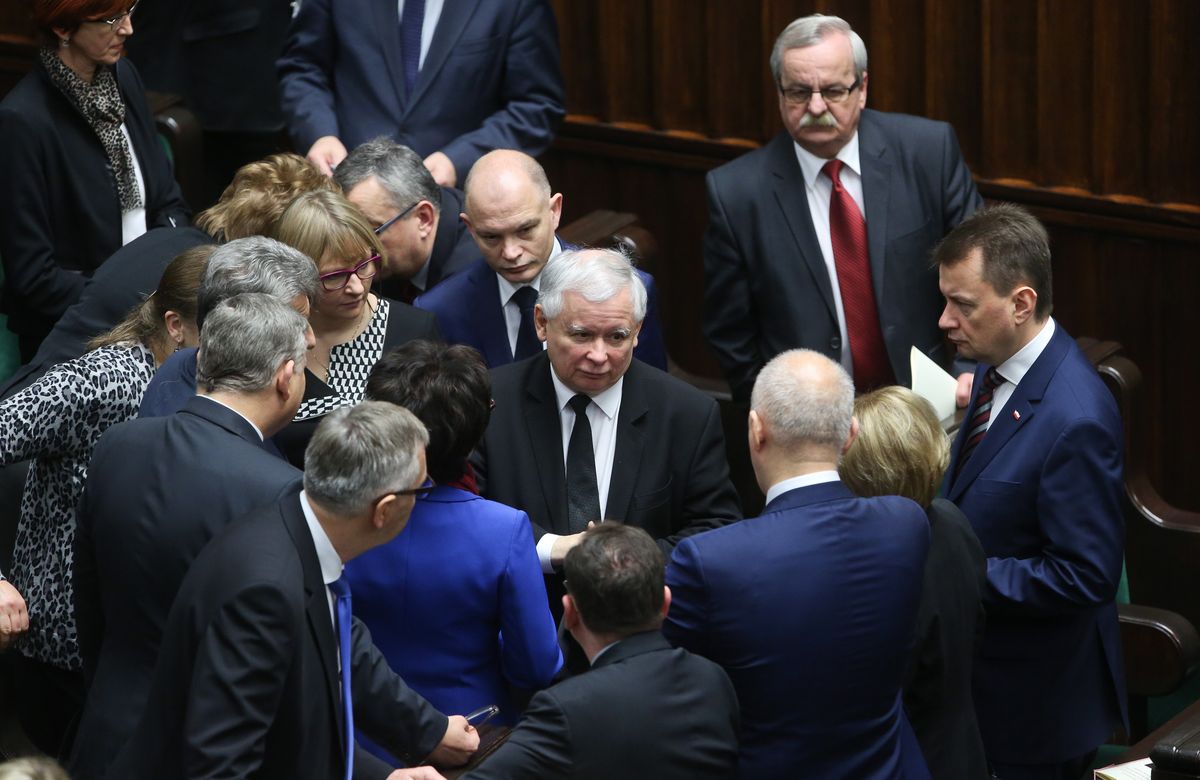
983	412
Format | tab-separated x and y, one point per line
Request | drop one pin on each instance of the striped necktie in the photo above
983	413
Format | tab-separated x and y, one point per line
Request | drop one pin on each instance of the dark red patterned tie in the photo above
848	232
983	413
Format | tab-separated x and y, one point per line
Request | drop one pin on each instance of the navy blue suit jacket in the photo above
148	509
1043	493
767	287
810	608
468	311
491	78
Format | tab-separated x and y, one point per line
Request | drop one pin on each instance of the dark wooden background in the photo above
1087	111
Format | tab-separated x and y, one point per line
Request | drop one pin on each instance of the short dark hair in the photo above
615	576
1015	250
448	389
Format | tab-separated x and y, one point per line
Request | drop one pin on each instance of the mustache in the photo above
824	120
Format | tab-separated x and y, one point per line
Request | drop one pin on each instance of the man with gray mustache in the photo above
821	238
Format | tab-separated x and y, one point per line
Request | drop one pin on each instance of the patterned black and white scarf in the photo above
101	106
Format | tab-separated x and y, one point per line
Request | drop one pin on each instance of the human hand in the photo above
442	169
962	394
563	545
14	616
456	747
416	773
326	152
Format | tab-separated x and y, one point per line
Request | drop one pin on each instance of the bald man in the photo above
512	214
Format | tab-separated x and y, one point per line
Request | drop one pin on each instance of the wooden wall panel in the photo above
1121	110
1064	55
1174	155
1010	83
952	72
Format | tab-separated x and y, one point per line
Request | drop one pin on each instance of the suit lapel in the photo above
545	440
877	185
387	24
450	26
627	458
793	202
493	330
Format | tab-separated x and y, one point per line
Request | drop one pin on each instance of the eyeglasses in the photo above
336	280
423	490
799	96
379	230
114	21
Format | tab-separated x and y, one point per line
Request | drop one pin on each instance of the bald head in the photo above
512	214
805	401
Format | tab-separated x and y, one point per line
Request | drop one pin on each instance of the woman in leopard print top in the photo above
56	423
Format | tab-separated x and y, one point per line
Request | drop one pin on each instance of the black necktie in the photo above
583	497
527	340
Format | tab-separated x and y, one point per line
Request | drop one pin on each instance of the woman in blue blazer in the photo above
457	602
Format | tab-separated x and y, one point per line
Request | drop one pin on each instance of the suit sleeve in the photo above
730	322
711	500
961	198
686	625
651	347
386	709
532	96
540	747
530	654
240	670
304	71
1079	514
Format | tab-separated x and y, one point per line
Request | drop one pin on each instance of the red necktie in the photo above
848	231
980	416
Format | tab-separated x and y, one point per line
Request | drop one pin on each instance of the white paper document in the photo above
933	384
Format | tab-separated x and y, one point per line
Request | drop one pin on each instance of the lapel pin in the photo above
1016	415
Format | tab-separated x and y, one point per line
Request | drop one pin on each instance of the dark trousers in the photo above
47	702
1075	769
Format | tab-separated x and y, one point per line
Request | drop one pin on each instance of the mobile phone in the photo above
483	715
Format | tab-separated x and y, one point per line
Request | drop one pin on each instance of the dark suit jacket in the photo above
453	248
767	287
810	609
117	286
669	473
950	623
491	78
1043	491
645	710
246	683
62	218
148	509
468	311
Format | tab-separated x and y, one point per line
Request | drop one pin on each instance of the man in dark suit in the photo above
644	709
512	215
821	239
1037	469
160	489
452	81
417	221
650	452
810	607
262	672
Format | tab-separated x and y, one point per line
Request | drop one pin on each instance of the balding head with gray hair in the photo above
362	453
244	342
398	169
805	400
595	274
256	265
811	30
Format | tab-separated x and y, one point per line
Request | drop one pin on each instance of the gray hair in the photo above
802	406
596	274
811	30
256	265
245	340
400	171
361	453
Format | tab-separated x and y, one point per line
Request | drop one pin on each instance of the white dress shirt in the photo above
331	567
818	190
804	480
1016	367
512	312
602	416
433	12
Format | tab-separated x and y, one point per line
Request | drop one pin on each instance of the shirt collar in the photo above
811	165
1016	367
331	562
508	289
235	411
804	480
609	401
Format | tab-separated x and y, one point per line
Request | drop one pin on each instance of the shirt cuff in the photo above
544	546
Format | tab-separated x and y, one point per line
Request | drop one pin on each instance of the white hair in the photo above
596	274
800	412
811	30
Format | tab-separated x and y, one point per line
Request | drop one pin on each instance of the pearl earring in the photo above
65	42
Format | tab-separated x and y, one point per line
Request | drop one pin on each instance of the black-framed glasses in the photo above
115	20
379	230
424	489
336	280
799	96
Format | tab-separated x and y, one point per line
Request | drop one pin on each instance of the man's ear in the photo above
852	436
555	209
467	221
571	617
283	379
426	217
666	607
1024	301
756	431
540	322
379	511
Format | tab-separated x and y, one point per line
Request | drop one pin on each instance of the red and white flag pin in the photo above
1016	415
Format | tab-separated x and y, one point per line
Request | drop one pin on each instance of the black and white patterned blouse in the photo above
57	421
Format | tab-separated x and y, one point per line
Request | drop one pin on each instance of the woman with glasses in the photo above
353	327
55	423
85	170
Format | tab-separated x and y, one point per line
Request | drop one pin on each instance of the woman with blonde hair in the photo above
901	450
353	326
56	422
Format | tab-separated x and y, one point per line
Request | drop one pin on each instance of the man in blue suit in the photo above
451	80
810	607
1037	469
513	215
